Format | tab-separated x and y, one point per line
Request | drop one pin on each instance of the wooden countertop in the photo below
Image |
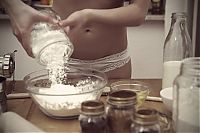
28	110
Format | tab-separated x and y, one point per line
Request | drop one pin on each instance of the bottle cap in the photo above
146	116
124	97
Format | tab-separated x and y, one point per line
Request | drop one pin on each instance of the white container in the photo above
11	122
170	70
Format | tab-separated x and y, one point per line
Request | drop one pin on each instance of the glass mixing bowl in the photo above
142	89
63	100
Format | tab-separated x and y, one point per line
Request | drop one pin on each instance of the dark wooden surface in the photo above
28	110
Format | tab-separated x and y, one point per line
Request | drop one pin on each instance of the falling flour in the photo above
61	100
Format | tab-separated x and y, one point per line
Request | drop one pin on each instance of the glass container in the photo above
63	100
142	89
146	121
177	46
93	118
49	42
120	110
186	97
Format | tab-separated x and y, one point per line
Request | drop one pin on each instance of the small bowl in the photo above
142	89
63	100
167	97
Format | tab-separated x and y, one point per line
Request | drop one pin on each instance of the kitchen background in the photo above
145	41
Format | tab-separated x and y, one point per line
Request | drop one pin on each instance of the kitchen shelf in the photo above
150	17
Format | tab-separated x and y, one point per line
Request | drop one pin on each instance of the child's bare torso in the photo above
101	40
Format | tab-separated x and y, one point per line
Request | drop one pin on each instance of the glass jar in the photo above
92	118
140	88
177	46
186	95
146	121
49	42
120	110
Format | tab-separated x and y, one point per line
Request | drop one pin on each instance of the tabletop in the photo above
26	108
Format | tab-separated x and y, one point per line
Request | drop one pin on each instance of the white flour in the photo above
60	103
52	48
49	44
65	105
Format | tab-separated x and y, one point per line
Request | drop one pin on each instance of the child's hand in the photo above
22	20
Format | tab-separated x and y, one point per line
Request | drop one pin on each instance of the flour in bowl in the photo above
65	100
60	98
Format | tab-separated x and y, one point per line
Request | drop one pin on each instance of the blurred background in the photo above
145	41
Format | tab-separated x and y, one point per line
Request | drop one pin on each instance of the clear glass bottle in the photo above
177	46
92	118
120	110
146	121
186	97
49	42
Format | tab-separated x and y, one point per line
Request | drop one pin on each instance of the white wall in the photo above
145	46
178	6
8	43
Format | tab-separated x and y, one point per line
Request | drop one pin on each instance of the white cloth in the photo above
104	64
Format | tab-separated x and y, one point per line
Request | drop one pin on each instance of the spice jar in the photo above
49	42
186	93
92	117
120	110
177	47
146	121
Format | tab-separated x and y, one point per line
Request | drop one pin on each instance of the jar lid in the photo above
92	107
124	97
146	116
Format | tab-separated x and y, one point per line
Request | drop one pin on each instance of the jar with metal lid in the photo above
120	110
92	117
186	97
49	42
146	121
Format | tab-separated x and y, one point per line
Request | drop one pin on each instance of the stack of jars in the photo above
118	116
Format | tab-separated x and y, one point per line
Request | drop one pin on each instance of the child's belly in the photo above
96	40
